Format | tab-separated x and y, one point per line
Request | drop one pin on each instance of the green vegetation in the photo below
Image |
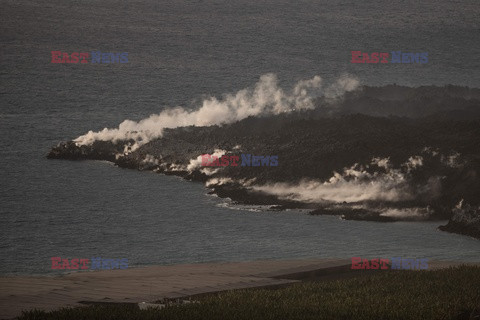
452	293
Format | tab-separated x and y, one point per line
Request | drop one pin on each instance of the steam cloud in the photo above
266	98
197	163
415	213
356	184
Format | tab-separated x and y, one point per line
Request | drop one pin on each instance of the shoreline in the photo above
154	283
377	154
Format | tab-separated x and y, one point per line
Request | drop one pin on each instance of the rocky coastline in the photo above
380	154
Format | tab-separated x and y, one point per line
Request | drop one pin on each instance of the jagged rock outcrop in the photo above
465	220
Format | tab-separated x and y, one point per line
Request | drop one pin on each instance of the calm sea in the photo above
180	51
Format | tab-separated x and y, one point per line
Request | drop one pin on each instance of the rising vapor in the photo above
265	98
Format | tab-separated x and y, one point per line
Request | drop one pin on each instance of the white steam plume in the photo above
196	163
343	84
415	213
264	99
354	185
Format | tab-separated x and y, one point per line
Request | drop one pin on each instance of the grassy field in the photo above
452	293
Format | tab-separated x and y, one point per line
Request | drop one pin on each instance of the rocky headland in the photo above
377	153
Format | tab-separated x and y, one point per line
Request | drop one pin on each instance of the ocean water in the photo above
180	52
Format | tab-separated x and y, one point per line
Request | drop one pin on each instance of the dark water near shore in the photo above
179	51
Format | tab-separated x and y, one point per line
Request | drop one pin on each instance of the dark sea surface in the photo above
180	52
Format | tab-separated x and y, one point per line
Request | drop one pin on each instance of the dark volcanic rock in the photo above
241	195
465	220
438	125
99	150
353	214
